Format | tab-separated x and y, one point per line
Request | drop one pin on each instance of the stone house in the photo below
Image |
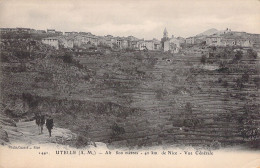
213	41
80	40
142	45
120	42
66	42
190	40
52	41
172	45
228	41
152	44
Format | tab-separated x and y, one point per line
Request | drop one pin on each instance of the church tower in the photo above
165	33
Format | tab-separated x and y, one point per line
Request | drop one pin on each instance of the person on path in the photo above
40	121
49	124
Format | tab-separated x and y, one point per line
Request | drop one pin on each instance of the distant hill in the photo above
208	32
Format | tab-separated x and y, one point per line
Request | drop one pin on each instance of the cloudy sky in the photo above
143	19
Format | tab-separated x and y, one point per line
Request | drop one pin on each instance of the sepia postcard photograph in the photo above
130	83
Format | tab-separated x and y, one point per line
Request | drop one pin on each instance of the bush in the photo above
251	54
117	130
245	77
30	99
238	56
193	122
81	141
203	59
21	54
67	59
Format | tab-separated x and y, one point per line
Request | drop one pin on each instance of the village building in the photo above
70	33
66	42
52	41
20	29
152	44
83	41
50	31
190	40
59	33
85	33
119	42
132	42
38	31
171	44
106	40
142	45
6	30
165	37
181	40
213	40
234	39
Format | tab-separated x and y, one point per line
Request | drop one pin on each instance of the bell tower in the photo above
165	33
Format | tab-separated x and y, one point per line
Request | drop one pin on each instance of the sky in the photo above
143	19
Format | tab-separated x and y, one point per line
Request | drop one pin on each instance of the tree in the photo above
238	55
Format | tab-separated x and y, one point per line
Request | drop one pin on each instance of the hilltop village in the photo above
172	44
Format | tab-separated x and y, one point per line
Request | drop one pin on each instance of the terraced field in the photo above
138	98
174	82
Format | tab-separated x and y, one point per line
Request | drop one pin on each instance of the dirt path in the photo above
28	133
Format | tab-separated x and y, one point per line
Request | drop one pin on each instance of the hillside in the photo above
208	32
135	98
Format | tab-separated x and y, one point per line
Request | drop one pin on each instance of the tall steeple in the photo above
165	33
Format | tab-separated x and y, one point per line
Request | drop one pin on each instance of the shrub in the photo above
21	54
238	56
67	58
30	99
239	83
245	77
203	59
117	130
81	141
251	53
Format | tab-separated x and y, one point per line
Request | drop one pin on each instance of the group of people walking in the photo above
40	121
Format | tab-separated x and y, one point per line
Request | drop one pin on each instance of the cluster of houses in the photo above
227	38
29	31
171	44
84	39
